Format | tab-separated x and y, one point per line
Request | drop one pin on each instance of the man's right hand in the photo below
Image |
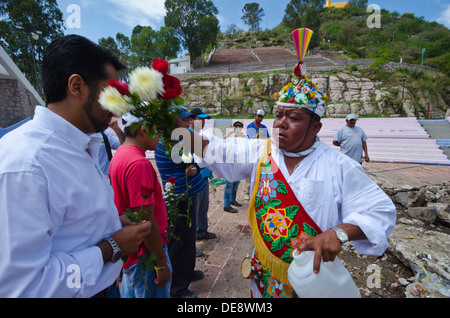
130	237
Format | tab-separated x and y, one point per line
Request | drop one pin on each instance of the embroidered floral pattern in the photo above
276	224
276	289
267	187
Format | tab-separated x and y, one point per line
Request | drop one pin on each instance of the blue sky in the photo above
103	18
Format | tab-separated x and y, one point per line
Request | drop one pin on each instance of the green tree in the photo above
148	44
233	29
120	47
26	28
305	14
253	15
195	24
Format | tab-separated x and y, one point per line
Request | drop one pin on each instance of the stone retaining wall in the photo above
16	102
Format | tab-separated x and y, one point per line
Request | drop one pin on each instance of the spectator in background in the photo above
111	140
255	130
352	140
129	172
229	195
197	123
181	245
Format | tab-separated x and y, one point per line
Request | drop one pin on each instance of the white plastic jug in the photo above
333	280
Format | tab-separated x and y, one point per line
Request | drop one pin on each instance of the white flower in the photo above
186	158
168	187
110	99
146	82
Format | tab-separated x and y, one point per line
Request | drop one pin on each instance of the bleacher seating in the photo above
389	139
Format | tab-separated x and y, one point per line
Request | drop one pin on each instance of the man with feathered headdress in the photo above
305	195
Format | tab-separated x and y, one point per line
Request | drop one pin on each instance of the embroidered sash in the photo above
279	222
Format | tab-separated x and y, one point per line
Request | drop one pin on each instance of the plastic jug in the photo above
333	280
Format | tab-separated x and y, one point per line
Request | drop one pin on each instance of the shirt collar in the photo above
50	120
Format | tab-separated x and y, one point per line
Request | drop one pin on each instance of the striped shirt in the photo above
167	169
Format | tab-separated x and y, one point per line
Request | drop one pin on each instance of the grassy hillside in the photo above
400	37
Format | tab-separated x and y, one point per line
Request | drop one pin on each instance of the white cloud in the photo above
444	18
134	12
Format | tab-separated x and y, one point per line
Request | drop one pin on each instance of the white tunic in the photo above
332	188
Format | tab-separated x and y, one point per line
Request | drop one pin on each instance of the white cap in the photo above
351	116
130	119
260	112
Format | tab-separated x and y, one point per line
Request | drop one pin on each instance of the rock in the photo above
406	240
427	214
443	213
403	281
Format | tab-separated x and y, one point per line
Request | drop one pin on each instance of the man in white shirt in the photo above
340	202
352	139
60	233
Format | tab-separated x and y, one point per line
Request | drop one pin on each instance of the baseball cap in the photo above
351	116
128	119
198	112
184	113
237	122
260	112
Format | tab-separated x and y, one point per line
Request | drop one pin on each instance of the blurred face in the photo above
258	119
351	122
291	132
98	117
151	143
197	123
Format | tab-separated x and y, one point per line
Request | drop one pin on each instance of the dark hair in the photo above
74	54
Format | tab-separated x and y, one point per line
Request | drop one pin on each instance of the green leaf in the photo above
258	202
178	100
281	187
287	256
293	232
134	128
309	230
261	212
277	245
274	203
267	167
291	211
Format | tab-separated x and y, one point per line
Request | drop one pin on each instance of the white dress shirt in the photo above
332	188
55	206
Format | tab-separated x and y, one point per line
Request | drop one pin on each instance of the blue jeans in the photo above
133	287
202	210
229	194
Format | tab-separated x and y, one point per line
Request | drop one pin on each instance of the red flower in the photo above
120	86
172	87
145	192
161	66
171	180
292	101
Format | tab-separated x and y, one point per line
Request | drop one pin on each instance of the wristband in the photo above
157	269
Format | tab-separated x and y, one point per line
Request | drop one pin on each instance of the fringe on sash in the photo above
276	266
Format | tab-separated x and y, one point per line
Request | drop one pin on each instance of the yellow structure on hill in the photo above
336	4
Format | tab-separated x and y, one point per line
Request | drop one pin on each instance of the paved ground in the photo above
222	257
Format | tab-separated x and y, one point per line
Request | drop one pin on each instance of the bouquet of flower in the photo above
152	95
172	199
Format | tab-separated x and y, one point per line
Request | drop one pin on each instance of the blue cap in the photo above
198	112
185	113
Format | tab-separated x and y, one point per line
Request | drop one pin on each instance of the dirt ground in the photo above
377	277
